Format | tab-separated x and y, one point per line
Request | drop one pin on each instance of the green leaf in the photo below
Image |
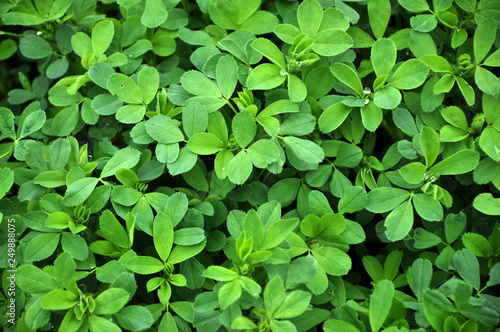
388	97
485	203
297	90
410	75
32	123
379	13
458	163
383	56
6	180
65	121
437	64
486	81
466	90
429	141
226	75
372	116
41	247
134	318
164	130
34	47
332	117
205	144
131	113
354	199
102	35
50	179
427	207
414	6
154	13
97	323
399	222
334	325
244	128
194	119
455	116
484	37
421	273
304	149
31	279
111	301
277	233
59	299
301	271
467	267
240	168
144	265
424	23
220	273
382	200
263	153
348	76
333	261
294	305
181	253
477	244
198	84
79	191
332	42
112	230
125	88
265	76
189	236
229	293
274	294
125	158
270	51
148	82
309	16
380	303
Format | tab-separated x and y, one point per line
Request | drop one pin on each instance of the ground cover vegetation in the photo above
276	165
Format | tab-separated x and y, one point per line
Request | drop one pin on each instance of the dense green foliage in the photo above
274	165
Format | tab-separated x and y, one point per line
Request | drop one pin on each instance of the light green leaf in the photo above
458	163
309	16
333	117
380	303
348	76
379	13
399	222
240	168
125	158
111	301
388	97
270	51
410	75
429	141
59	299
297	90
125	88
304	149
244	128
485	203
265	76
205	144
484	37
148	82
198	84
102	35
144	265
383	56
333	261
427	207
164	130
41	247
467	266
154	14
226	74
79	191
487	81
294	305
